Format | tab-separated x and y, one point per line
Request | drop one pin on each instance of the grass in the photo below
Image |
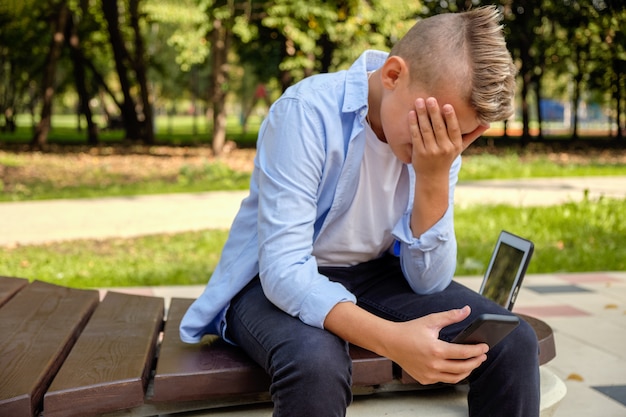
175	131
573	237
583	237
104	183
177	259
511	165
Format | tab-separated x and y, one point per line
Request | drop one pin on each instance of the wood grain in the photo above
109	366
39	325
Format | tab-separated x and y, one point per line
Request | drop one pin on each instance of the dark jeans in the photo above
310	368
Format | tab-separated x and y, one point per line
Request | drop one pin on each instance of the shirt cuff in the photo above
440	232
321	299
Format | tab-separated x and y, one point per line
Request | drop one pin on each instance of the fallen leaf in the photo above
575	377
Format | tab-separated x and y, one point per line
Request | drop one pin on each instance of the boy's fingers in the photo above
424	123
414	127
446	318
452	124
469	138
436	120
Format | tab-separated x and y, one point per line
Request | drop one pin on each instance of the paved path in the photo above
43	221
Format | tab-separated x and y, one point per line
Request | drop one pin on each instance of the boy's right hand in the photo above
414	345
419	351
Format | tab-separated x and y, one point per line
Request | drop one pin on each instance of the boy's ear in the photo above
392	70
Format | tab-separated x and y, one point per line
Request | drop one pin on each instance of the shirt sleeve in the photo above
290	158
429	262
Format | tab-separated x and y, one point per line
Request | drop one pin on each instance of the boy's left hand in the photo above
437	137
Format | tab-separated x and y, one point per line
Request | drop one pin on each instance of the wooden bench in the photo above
63	352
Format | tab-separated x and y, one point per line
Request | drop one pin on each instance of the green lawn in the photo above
175	130
510	165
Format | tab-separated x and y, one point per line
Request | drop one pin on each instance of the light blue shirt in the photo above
306	170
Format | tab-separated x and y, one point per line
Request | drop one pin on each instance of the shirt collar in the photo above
356	80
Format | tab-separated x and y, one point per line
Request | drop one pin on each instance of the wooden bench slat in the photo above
191	372
38	325
108	368
9	287
368	368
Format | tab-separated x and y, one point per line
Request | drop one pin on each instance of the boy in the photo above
347	234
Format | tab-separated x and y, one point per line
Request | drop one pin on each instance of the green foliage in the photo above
184	24
282	41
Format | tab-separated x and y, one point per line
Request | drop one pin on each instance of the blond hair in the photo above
465	51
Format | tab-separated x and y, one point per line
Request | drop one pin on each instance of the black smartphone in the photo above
487	328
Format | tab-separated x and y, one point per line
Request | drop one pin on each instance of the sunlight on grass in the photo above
512	165
100	182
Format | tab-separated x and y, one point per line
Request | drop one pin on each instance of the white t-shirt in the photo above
364	232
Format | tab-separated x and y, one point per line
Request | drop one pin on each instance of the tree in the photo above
123	60
139	65
59	19
24	40
80	78
220	35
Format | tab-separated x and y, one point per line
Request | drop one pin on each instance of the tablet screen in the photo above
504	271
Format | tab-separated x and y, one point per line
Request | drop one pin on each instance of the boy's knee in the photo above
527	337
521	345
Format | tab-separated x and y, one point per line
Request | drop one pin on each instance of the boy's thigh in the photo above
272	337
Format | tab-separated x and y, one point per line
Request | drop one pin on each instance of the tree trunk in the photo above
122	59
538	96
40	137
576	93
575	105
525	111
619	68
81	84
526	75
220	42
140	72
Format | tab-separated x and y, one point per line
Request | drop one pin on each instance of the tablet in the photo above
506	269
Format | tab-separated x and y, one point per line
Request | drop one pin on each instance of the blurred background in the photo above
187	71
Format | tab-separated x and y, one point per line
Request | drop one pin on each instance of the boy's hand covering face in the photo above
437	137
